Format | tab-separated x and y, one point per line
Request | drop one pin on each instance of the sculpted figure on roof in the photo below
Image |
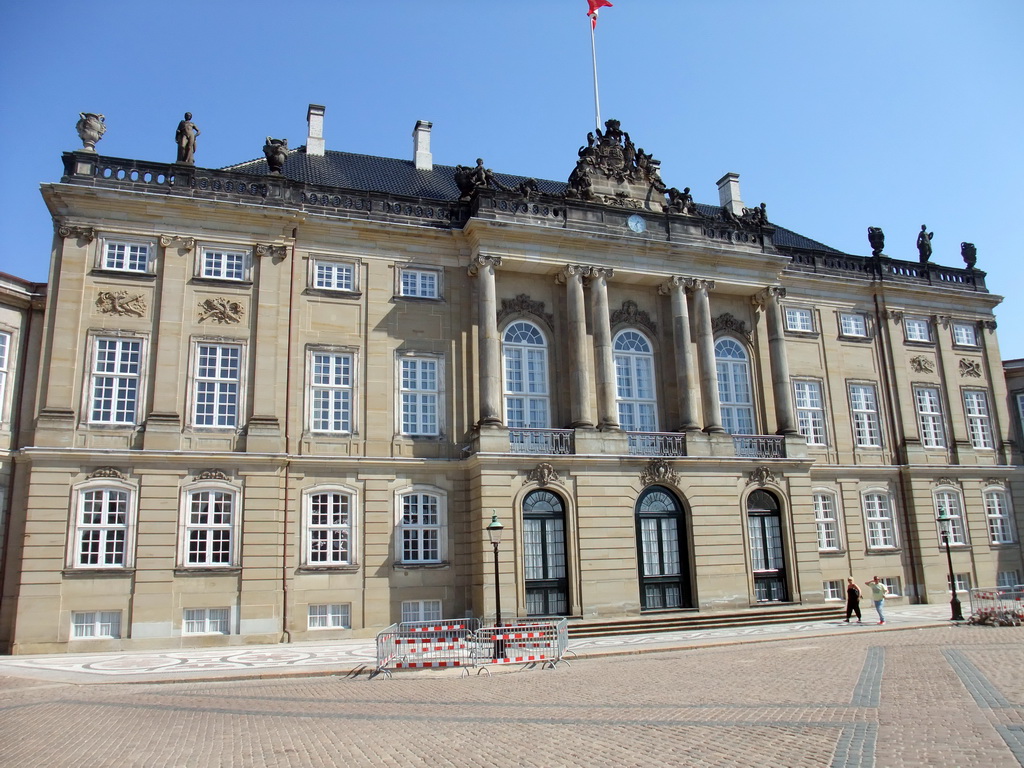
276	151
969	253
924	243
91	127
877	239
185	138
681	202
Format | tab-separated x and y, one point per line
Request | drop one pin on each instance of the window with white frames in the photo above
799	319
979	422
420	527
892	583
963	582
126	256
95	624
421	610
917	329
332	616
331	378
525	354
1000	521
1007	579
5	362
828	522
217	385
102	528
634	382
834	590
210	528
881	525
223	264
328	529
419	283
420	395
116	374
206	621
333	275
867	432
853	324
965	334
929	416
734	392
810	411
948	505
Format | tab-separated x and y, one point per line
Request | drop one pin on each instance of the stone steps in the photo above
681	622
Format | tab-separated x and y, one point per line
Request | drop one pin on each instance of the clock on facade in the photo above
636	223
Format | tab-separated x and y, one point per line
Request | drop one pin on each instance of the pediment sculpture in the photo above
611	169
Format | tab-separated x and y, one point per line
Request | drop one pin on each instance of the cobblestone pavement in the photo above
930	696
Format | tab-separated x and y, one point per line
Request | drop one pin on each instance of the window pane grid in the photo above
224	265
331	395
947	505
997	512
103	528
207	621
828	524
117	367
810	411
209	528
881	527
929	411
328	529
96	624
128	257
978	421
333	616
420	283
853	325
421	527
333	276
419	396
526	377
218	377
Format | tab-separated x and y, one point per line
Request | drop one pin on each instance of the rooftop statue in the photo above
877	239
185	138
924	243
90	127
755	217
276	151
469	180
609	165
969	254
681	202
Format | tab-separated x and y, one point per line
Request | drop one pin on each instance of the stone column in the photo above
676	288
482	267
785	414
579	379
706	356
607	411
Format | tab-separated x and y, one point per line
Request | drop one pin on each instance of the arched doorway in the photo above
767	556
544	555
662	558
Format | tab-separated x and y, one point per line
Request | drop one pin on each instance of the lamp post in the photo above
494	531
956	614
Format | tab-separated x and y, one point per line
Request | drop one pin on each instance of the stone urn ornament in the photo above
276	151
90	127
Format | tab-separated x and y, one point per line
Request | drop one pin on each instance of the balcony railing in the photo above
551	441
760	446
657	444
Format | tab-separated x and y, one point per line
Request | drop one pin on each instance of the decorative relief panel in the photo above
970	368
120	303
83	233
523	304
659	471
762	476
922	364
107	472
221	310
212	474
543	474
726	322
631	314
274	251
183	243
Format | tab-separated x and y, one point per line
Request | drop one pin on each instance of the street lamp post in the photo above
956	613
494	531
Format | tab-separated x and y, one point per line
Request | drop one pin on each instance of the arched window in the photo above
663	565
525	354
733	367
634	382
544	555
767	560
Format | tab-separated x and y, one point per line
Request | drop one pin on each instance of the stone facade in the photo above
270	411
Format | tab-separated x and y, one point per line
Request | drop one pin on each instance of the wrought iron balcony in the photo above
657	444
549	441
760	446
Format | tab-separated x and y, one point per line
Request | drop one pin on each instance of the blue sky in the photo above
836	115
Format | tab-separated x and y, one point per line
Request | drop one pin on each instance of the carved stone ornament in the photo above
91	127
631	314
482	262
185	243
274	251
212	474
762	476
938	481
876	237
276	152
221	310
82	233
120	303
543	474
659	471
969	253
989	325
922	364
726	322
998	481
107	472
970	368
611	169
893	314
524	305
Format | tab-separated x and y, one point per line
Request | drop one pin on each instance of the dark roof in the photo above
369	173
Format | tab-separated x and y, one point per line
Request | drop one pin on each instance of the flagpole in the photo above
597	99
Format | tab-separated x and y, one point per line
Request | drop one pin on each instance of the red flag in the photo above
592	13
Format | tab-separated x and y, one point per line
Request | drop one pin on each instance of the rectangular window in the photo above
979	423
105	624
421	610
126	257
929	415
421	526
329	529
948	506
892	583
219	264
799	319
217	385
419	393
207	621
331	392
965	334
963	582
917	329
834	590
1000	523
853	324
810	411
334	616
102	530
1007	579
864	405
828	522
880	523
333	276
116	371
209	528
5	359
421	283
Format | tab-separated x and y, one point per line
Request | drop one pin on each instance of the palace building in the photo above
282	400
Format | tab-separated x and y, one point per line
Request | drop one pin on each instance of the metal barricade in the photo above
426	645
523	641
1001	607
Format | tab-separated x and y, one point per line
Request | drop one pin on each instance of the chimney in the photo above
729	193
422	158
315	140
